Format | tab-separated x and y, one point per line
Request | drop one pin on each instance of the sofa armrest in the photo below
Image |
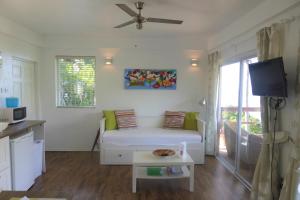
201	128
102	128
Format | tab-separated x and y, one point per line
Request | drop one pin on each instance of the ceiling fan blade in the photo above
166	21
126	23
126	9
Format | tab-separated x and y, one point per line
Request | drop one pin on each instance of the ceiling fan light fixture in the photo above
139	26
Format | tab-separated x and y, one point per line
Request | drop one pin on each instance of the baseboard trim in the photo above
70	149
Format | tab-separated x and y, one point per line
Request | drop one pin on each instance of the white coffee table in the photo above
144	159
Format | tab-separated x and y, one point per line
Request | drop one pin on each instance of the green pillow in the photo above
190	121
110	122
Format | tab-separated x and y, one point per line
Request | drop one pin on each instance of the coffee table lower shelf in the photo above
141	173
144	159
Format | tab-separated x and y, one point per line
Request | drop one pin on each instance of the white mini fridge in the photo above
22	157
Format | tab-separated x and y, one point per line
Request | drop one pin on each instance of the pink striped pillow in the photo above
174	119
126	118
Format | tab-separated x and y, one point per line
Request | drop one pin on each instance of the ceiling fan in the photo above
139	19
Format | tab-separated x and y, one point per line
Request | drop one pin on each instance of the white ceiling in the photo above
98	17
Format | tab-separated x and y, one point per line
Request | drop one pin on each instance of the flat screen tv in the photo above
268	78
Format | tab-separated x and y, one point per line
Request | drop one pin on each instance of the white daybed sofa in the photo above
117	146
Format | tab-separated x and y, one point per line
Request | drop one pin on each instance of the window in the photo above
75	81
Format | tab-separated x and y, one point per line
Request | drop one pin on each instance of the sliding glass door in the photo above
250	127
239	126
228	104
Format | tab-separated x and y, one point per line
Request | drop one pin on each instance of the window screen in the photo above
75	81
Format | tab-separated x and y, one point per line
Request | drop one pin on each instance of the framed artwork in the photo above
150	79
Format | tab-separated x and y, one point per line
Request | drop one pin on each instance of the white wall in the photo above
239	39
75	129
245	27
16	41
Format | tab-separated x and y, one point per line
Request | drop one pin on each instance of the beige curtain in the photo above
270	45
288	191
211	133
290	180
297	86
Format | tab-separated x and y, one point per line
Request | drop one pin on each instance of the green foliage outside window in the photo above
254	125
76	81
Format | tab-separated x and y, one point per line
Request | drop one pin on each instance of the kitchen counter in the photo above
15	130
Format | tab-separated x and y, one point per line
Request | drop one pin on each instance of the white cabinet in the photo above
4	153
22	160
5	180
5	173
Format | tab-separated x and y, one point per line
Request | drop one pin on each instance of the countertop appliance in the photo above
22	157
13	115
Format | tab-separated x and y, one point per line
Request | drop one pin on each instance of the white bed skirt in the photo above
115	154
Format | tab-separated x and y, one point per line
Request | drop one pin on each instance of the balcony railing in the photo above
245	110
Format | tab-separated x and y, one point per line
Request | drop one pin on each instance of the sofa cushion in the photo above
151	136
125	118
174	119
190	121
110	120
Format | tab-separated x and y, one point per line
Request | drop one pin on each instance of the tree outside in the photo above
76	87
253	124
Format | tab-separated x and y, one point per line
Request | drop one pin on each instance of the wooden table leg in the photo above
192	178
134	178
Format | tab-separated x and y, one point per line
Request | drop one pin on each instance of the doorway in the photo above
24	85
239	120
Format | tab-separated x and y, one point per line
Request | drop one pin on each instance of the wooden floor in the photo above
78	175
